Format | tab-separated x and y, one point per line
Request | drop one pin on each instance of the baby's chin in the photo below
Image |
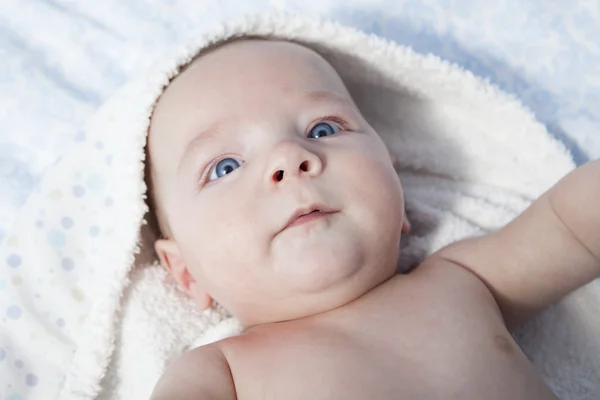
319	270
317	267
329	257
317	291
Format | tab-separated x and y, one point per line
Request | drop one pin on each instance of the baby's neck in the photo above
314	320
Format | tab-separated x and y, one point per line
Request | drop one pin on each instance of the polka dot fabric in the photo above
42	302
53	285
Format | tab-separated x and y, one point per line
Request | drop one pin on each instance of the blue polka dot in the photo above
13	312
31	380
80	137
78	191
56	239
14	260
66	222
109	160
19	364
94	230
2	354
60	322
61	382
2	284
108	201
99	145
39	224
67	264
15	396
96	183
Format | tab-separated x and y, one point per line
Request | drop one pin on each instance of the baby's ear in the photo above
405	224
405	221
171	259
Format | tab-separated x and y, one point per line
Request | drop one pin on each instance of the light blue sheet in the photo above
60	59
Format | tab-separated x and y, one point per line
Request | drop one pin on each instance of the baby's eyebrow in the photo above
209	133
323	96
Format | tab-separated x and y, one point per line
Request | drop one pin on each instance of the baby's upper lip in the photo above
307	210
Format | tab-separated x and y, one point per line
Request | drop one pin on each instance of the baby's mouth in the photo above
306	218
306	215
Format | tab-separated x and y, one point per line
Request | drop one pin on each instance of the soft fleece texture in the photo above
471	156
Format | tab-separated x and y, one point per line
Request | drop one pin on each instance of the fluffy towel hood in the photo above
471	157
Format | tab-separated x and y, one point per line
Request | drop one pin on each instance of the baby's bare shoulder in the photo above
199	373
438	275
438	284
549	250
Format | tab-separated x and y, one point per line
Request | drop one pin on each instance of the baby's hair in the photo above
153	217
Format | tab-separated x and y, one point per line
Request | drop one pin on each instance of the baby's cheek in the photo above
384	199
375	172
226	239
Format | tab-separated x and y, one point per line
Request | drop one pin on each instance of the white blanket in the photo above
101	321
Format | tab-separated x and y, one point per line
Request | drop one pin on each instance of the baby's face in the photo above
250	136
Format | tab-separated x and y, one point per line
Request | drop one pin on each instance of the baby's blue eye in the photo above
224	167
323	129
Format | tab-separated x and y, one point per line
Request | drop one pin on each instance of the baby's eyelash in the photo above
332	118
204	174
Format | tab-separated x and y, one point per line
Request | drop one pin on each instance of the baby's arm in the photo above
548	251
200	374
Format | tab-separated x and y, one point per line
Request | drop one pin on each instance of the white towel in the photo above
88	308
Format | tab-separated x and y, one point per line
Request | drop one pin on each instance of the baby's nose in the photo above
292	160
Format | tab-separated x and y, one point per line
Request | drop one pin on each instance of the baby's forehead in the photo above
241	66
247	77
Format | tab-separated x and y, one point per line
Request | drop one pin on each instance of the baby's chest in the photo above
392	353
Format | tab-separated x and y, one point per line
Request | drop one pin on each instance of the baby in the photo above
279	201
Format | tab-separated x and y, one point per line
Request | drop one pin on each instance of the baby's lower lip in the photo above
304	219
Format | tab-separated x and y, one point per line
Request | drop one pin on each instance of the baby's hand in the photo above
547	252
